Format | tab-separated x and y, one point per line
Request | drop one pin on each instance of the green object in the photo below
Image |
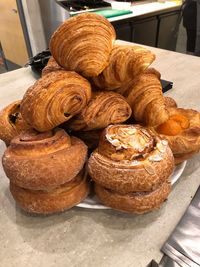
109	13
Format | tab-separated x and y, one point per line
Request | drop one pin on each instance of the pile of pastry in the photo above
100	95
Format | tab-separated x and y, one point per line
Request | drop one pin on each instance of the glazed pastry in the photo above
182	130
83	44
42	161
130	158
58	199
134	202
170	102
51	66
103	109
146	99
11	122
54	99
125	63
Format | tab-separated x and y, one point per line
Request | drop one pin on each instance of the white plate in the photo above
93	203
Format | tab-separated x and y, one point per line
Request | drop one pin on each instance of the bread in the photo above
130	158
103	109
57	199
83	44
51	66
182	130
125	63
146	99
134	202
41	161
11	122
54	99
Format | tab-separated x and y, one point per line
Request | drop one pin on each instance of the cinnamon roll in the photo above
57	199
41	161
11	122
83	44
103	109
54	99
129	159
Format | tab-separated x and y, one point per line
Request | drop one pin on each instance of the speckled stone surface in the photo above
100	238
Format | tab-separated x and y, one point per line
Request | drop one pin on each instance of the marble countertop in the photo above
100	238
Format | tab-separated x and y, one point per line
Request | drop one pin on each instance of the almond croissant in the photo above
54	99
125	63
146	99
83	44
103	109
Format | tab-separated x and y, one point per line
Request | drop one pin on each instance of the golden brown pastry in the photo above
83	44
146	99
41	161
182	130
90	138
103	109
130	158
51	66
125	63
58	199
136	202
170	102
11	122
54	99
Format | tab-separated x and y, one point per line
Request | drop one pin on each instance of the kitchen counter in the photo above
149	8
99	238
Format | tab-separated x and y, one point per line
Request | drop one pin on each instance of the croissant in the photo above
182	130
58	199
130	158
42	161
131	168
51	66
146	99
170	102
72	44
11	122
54	99
125	63
103	109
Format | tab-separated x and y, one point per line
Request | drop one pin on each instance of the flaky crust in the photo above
43	161
136	202
126	169
146	99
58	199
125	63
103	109
11	122
51	66
186	143
54	99
170	102
83	44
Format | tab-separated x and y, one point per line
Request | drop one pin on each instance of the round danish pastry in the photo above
41	161
130	158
